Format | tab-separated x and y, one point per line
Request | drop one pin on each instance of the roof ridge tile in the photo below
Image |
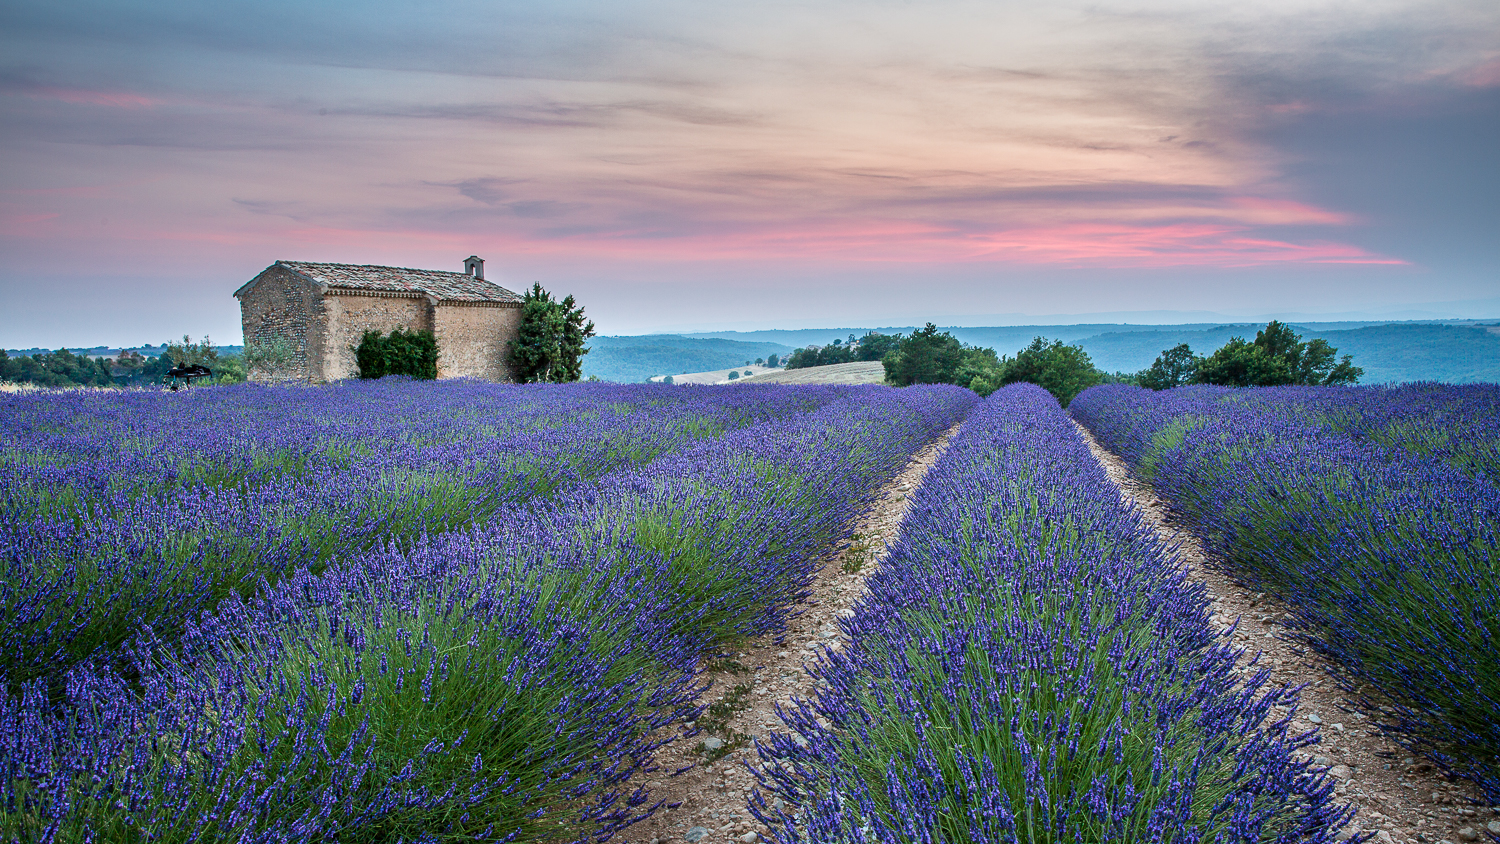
443	285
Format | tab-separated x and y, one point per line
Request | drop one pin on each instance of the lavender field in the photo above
1374	512
457	611
1031	665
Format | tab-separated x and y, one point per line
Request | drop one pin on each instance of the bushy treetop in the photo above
930	356
1278	356
871	347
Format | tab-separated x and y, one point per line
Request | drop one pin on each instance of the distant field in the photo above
628	360
717	376
863	372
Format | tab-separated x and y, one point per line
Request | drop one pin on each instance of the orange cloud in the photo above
1280	212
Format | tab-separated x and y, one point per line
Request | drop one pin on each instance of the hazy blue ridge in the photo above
1388	353
1131	352
999	338
1007	339
1397	353
112	351
629	360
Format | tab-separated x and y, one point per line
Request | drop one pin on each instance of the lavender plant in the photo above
1384	542
494	683
142	508
1032	665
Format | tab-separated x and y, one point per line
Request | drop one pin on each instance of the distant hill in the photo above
1388	353
1005	339
1457	352
1117	351
1394	353
113	351
629	360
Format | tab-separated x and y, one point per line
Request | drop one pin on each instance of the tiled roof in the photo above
443	286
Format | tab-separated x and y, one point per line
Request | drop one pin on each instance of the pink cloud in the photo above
1486	75
1281	212
1098	245
23	223
1117	246
1293	107
82	96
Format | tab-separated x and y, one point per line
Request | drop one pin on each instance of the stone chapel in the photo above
324	309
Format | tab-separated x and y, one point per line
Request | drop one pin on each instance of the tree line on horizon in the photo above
1278	356
64	368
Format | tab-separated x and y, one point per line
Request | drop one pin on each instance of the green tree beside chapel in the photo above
549	345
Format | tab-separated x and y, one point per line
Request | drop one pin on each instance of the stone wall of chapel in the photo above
283	304
345	319
474	340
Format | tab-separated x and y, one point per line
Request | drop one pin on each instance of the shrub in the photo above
410	353
1060	369
273	357
928	356
1278	356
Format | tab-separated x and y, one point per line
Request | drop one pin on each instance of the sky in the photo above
697	166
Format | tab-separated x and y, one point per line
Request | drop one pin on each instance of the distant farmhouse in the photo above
324	310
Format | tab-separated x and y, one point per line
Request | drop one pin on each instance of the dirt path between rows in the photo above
1400	798
711	795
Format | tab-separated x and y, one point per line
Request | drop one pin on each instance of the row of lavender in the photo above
495	683
1458	425
119	511
1031	664
1377	521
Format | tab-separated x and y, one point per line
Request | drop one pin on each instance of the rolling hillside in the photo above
630	360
